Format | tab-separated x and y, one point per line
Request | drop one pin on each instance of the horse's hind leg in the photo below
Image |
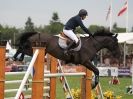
16	55
21	57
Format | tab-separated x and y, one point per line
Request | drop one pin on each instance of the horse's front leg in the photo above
91	67
88	64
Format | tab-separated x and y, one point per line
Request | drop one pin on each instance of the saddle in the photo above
64	42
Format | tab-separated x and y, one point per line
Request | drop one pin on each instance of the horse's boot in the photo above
66	51
96	81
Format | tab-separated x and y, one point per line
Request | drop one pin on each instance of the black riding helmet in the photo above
83	12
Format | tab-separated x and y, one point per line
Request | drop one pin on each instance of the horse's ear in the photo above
116	35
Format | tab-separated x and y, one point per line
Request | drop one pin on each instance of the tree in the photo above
8	33
55	18
55	26
94	28
117	29
115	25
29	25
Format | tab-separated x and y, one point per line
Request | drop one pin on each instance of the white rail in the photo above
14	90
19	81
27	74
20	73
65	74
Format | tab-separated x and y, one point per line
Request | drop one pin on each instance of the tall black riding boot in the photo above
69	47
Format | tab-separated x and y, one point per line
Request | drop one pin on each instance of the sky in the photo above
16	12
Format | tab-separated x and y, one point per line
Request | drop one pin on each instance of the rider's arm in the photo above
83	27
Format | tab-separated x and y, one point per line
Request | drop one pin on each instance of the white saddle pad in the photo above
63	43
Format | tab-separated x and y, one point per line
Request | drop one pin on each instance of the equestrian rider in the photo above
71	25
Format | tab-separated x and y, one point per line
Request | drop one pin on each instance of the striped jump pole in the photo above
38	77
27	74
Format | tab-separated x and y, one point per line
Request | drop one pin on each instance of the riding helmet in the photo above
83	12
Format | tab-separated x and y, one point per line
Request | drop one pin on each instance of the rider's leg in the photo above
72	36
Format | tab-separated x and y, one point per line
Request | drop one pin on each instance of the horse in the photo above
90	46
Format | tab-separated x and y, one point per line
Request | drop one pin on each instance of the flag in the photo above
108	12
123	9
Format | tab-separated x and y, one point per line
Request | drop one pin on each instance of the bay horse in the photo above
90	46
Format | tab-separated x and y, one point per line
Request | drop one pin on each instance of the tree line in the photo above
55	26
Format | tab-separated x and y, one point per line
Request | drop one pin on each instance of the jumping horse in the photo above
89	47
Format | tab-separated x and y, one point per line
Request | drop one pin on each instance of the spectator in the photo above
14	67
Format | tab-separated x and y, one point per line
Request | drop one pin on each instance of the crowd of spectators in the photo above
108	60
12	66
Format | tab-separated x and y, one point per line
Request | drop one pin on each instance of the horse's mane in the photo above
103	32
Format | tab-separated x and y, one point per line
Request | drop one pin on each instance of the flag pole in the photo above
110	20
127	18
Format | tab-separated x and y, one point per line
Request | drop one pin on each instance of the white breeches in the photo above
71	35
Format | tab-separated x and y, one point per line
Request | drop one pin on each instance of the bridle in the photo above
99	45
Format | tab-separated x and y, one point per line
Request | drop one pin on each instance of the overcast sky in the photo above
15	12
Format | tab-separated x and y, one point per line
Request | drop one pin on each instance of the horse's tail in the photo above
24	37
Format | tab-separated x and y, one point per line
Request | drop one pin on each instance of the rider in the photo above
71	25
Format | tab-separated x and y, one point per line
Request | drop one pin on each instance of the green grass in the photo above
119	89
104	81
74	82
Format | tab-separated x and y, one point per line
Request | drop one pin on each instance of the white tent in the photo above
125	38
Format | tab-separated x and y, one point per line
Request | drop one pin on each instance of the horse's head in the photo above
109	40
113	46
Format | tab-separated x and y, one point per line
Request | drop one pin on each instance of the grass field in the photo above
75	83
117	89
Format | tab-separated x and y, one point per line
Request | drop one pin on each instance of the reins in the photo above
93	38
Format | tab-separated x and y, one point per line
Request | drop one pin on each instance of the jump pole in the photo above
88	87
27	74
2	70
38	78
53	69
86	84
53	63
